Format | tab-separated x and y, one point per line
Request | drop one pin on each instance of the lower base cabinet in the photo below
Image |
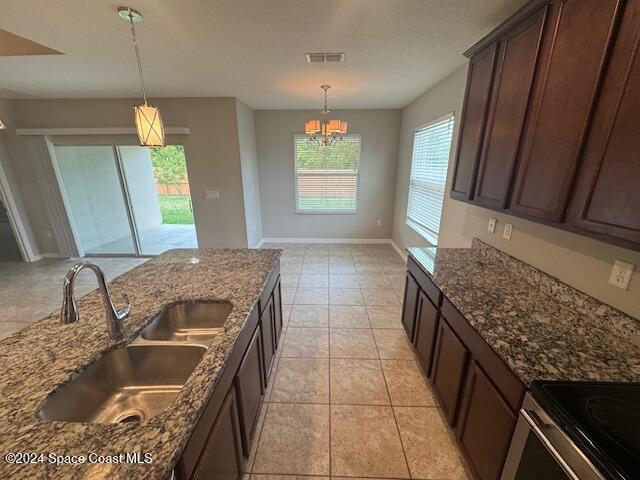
222	457
268	342
410	304
426	326
486	425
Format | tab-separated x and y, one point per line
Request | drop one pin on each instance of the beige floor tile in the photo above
345	296
428	444
288	295
315	268
311	296
286	313
256	438
289	280
407	386
257	476
313	280
301	380
393	344
309	316
9	328
396	279
348	316
380	296
294	440
306	342
368	267
342	268
373	280
357	382
343	281
352	343
365	442
385	316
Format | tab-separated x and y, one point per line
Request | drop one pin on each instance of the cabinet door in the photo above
277	310
410	305
472	126
486	425
517	58
221	457
607	193
449	365
268	345
574	53
249	386
426	329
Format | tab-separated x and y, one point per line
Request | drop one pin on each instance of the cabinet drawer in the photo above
510	386
424	282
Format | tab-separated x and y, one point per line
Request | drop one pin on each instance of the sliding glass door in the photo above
115	198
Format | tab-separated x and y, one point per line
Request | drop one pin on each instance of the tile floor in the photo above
28	292
347	398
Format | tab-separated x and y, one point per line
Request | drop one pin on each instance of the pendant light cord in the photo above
137	50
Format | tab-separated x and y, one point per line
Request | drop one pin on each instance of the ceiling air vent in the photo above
325	57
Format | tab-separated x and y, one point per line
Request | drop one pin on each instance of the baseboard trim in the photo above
399	251
326	240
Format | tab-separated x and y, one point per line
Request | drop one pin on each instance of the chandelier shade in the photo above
330	131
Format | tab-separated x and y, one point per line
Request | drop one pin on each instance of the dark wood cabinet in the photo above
268	340
410	305
517	58
249	388
574	57
221	458
486	425
474	115
425	332
606	198
449	367
277	313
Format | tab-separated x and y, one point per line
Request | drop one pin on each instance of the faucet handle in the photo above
124	312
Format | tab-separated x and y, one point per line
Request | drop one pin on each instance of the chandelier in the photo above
325	132
148	121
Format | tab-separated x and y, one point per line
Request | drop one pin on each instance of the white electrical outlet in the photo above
506	234
379	222
621	274
491	226
212	194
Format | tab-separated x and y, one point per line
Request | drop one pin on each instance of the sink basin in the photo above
130	384
188	321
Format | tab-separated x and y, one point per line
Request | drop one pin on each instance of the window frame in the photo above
296	209
431	237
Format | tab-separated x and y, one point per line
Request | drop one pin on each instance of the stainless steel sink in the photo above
188	321
130	384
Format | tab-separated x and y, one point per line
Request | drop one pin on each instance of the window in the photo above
429	162
327	177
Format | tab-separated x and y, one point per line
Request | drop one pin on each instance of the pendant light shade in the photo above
2	125
149	126
330	131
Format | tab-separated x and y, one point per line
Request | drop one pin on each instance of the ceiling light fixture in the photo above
330	130
147	117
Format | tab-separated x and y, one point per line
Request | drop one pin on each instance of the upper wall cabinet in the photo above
558	118
473	121
574	52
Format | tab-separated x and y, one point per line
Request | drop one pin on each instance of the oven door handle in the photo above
532	419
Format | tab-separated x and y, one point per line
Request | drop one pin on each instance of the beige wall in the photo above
250	177
579	261
275	130
212	151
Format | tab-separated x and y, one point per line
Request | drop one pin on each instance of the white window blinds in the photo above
429	162
327	177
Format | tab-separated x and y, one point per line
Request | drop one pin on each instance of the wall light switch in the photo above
491	226
212	194
507	231
379	222
621	274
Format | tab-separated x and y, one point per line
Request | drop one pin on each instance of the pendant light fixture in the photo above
147	117
330	131
2	125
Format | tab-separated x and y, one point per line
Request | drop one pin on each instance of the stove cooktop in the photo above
603	419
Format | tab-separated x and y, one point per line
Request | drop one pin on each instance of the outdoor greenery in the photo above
176	209
343	155
169	164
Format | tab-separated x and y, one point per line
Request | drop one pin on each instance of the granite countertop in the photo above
36	360
543	329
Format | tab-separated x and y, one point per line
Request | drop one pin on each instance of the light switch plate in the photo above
621	274
508	228
491	226
212	194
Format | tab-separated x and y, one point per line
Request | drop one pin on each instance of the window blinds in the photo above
327	177
429	162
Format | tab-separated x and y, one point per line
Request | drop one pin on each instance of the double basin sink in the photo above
135	382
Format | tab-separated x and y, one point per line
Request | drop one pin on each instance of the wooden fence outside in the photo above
173	189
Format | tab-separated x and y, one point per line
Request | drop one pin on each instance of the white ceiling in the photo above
251	49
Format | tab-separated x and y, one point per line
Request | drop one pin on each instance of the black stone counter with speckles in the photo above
38	359
542	328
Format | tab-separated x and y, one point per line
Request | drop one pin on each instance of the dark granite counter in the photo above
543	329
36	360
